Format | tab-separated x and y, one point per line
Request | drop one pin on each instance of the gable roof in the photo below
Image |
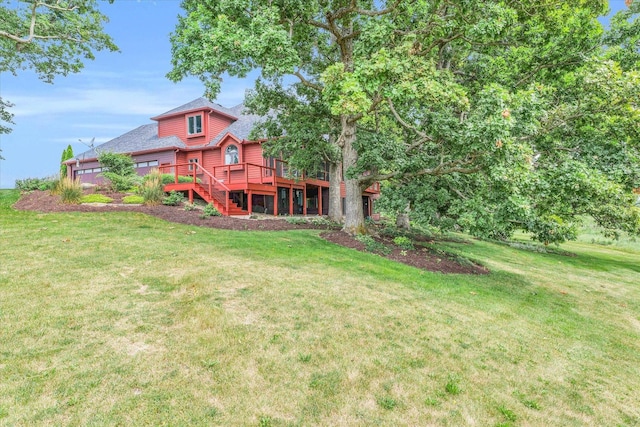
198	104
143	138
241	128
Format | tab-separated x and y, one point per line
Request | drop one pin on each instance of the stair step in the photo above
234	209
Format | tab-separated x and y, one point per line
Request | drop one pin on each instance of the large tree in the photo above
50	37
410	90
572	136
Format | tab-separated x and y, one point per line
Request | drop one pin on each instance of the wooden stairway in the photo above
218	199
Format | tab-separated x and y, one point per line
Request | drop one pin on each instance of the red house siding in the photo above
217	124
89	171
172	126
210	158
248	183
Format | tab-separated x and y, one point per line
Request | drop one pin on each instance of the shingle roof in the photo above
143	138
199	103
241	128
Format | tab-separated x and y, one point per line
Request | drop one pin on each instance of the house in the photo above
211	144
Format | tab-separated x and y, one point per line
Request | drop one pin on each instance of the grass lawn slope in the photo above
117	318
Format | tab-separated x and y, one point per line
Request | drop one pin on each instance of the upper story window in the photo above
231	156
194	125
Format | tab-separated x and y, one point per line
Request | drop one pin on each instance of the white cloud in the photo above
80	141
92	101
117	100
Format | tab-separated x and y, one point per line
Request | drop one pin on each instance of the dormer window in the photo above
231	155
194	125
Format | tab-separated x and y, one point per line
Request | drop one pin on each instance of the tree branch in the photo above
406	125
32	26
306	82
463	166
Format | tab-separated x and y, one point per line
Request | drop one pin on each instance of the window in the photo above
146	164
231	155
194	125
191	166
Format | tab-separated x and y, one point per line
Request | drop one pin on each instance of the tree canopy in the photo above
487	115
50	37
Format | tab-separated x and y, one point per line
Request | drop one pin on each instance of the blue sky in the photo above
112	95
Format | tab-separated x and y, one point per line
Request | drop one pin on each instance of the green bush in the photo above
133	200
120	171
31	184
169	178
372	245
70	190
210	210
296	220
173	199
96	198
404	242
189	206
121	183
152	189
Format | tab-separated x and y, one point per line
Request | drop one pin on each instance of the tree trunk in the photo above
354	215
335	205
402	221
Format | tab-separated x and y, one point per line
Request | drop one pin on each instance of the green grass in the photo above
123	319
96	198
133	200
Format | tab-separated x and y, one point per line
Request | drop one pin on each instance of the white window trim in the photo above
195	132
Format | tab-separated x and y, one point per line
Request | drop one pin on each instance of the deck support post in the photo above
304	200
290	199
250	202
275	203
319	200
191	196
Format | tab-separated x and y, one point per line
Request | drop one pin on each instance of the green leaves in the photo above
489	116
63	35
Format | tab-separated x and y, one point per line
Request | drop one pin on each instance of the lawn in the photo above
124	319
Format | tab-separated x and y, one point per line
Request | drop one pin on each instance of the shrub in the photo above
404	243
31	184
189	206
372	245
296	220
210	210
96	198
133	200
169	178
173	199
152	190
67	154
70	190
120	170
121	183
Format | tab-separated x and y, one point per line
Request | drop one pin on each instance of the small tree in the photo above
67	154
120	170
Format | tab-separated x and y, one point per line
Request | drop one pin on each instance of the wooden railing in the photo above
216	187
251	173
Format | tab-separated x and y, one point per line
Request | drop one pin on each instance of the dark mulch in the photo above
423	258
420	257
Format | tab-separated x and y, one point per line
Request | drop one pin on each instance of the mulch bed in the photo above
422	258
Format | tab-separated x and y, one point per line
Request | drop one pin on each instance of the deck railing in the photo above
216	187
